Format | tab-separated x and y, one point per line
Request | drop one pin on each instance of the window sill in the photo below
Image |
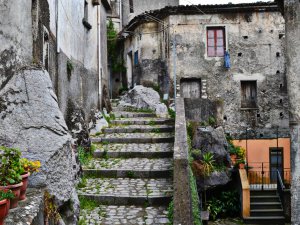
86	24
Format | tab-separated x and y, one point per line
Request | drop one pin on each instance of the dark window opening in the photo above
277	71
280	101
136	58
225	118
46	49
245	37
216	44
85	19
277	54
249	94
239	54
258	115
131	6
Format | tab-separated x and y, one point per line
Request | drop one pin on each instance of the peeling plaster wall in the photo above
141	6
152	67
258	62
15	38
78	45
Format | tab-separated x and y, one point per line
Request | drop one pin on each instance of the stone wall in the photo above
182	192
255	41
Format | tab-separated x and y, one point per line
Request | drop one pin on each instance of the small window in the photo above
131	6
216	44
136	58
249	94
46	49
85	19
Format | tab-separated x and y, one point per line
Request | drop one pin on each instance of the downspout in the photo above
56	18
99	59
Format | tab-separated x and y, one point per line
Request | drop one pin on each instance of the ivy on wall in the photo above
117	62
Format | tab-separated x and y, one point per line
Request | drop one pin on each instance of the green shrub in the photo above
208	163
172	113
227	204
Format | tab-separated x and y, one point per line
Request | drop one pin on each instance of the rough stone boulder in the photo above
216	178
209	139
141	97
32	121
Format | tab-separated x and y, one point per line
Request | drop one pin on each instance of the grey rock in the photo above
209	139
141	97
216	178
32	121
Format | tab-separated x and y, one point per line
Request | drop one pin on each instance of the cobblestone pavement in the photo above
130	164
136	135
159	147
130	215
127	187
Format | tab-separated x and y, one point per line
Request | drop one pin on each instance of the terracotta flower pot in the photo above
16	189
24	186
242	165
233	158
3	210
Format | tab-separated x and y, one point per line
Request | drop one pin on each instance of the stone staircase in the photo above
265	208
130	176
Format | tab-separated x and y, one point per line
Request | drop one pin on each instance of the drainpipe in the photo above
174	67
99	57
56	19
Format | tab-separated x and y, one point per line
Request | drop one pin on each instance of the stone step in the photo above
263	193
274	220
262	198
130	215
131	150
265	205
140	129
266	212
124	114
134	138
128	191
130	168
142	121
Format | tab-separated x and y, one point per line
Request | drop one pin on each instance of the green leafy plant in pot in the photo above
10	172
5	197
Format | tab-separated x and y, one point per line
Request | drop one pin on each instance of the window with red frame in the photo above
216	44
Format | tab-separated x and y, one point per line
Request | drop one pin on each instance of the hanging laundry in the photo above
227	60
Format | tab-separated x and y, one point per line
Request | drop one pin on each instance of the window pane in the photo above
210	33
220	33
211	51
220	51
211	42
220	42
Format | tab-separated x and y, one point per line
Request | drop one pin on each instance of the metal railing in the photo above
280	188
260	176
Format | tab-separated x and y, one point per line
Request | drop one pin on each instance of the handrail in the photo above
245	193
280	188
182	192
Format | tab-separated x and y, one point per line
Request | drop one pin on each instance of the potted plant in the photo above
28	167
232	152
10	177
241	163
5	196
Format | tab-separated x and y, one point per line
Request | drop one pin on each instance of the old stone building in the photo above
252	89
53	69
